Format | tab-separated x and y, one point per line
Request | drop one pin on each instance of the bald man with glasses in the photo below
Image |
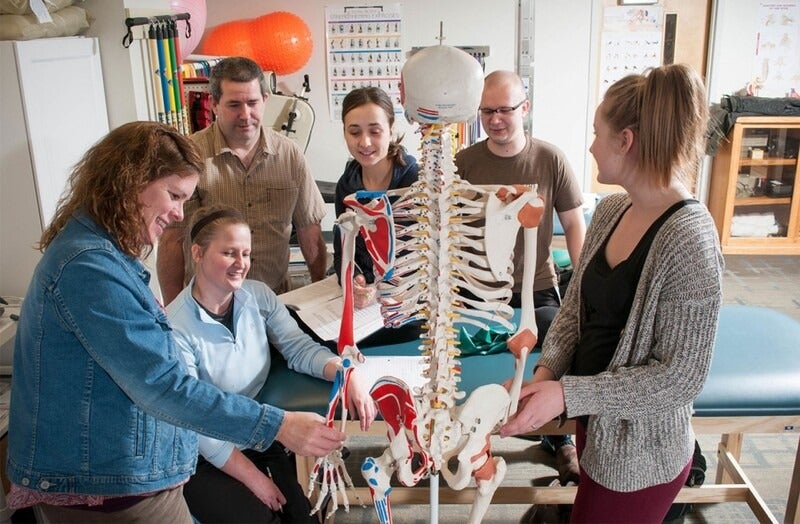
510	156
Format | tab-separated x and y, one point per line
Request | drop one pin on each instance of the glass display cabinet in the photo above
754	196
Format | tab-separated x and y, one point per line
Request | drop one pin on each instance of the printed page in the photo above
325	319
408	369
312	295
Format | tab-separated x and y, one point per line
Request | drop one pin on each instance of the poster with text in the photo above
364	49
776	65
631	42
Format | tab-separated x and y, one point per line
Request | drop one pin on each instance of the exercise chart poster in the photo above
364	49
631	42
776	67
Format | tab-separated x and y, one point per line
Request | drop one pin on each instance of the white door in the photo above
52	109
61	84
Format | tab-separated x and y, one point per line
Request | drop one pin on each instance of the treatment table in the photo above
753	387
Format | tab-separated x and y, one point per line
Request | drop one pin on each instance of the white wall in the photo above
563	88
731	49
123	72
730	66
466	22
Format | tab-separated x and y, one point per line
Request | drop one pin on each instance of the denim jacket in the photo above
101	402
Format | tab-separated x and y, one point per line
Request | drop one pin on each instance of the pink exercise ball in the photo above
197	19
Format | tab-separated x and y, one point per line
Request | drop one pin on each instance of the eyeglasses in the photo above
488	111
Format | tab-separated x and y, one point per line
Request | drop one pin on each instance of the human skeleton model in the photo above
442	249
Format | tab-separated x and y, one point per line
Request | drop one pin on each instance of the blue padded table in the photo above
756	366
753	387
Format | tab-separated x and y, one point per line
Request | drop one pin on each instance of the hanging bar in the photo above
127	40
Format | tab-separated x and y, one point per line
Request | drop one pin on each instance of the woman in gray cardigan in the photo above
631	346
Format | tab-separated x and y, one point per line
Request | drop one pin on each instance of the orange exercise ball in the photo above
282	42
229	39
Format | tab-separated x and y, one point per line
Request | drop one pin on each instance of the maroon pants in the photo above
595	503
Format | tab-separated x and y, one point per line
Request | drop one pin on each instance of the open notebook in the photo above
319	306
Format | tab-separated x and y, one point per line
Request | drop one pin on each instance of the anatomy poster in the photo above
776	67
364	48
631	42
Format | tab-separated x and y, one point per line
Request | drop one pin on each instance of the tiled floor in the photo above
771	281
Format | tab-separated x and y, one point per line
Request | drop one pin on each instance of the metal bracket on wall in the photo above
670	27
478	52
525	66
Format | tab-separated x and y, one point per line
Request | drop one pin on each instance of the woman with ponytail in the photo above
379	163
630	348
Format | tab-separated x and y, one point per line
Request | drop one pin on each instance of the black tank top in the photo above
607	295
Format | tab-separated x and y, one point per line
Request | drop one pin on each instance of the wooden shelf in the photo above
767	161
762	201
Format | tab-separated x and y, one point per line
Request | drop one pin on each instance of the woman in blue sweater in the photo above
224	326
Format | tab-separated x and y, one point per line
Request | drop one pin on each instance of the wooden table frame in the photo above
731	482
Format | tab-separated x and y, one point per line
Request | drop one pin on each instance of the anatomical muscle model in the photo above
443	251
